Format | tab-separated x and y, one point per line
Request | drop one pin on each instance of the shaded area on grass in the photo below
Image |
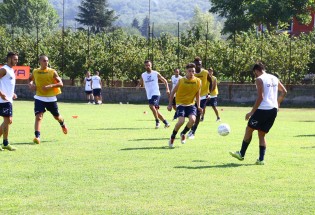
305	135
150	139
116	129
228	165
145	148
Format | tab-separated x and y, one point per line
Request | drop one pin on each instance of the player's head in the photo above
258	69
176	71
96	73
88	73
43	61
190	70
147	65
210	70
12	58
198	63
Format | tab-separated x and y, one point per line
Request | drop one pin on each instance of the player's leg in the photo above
52	107
180	122
5	132
262	147
191	134
39	109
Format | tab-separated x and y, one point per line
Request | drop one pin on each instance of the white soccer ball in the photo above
224	129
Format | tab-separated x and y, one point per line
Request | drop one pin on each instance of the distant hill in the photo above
161	11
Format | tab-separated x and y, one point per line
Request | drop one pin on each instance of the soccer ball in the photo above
224	129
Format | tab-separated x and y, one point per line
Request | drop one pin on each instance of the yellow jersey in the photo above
44	78
187	90
215	92
203	76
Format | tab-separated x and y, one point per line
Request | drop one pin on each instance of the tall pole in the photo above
178	44
206	45
63	36
149	29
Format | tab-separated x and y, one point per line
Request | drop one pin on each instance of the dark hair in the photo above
147	61
176	69
190	65
197	59
11	54
259	66
211	69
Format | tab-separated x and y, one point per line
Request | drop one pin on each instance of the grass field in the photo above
113	161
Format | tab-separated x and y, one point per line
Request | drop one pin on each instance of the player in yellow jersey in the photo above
203	75
187	100
213	96
46	82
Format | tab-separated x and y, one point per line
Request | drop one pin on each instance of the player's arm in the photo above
170	100
260	96
140	84
31	84
165	83
3	72
282	93
214	84
197	96
58	83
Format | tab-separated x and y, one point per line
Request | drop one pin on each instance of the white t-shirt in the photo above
175	80
88	86
270	92
151	83
7	84
96	82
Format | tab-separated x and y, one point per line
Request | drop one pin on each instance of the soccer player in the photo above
213	96
264	111
7	86
150	80
187	90
203	75
174	80
46	82
97	88
88	87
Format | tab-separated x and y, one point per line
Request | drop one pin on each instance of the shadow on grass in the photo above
30	143
305	135
228	165
151	139
147	148
116	129
308	147
307	121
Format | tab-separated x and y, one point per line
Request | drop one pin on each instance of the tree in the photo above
145	27
28	15
94	14
241	15
135	24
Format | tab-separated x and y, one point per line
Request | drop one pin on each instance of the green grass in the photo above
113	161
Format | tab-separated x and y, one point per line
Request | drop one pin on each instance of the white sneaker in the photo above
218	119
183	138
191	135
157	125
171	143
167	125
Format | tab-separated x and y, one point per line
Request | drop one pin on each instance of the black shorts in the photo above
88	92
203	104
155	101
186	111
97	92
6	109
213	102
263	119
41	107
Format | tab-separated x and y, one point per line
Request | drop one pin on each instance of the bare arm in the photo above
140	84
55	85
214	85
170	100
282	94
198	100
165	83
260	96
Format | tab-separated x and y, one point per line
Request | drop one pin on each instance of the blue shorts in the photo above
213	102
41	107
6	109
203	104
97	92
263	119
186	111
155	101
89	92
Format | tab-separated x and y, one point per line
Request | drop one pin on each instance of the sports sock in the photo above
37	134
173	134
244	148
262	150
157	121
186	129
5	142
62	123
165	122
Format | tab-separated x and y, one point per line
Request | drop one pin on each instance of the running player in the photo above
174	80
188	101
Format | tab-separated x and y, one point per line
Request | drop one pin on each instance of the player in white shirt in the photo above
150	81
97	88
7	86
174	79
264	111
88	87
